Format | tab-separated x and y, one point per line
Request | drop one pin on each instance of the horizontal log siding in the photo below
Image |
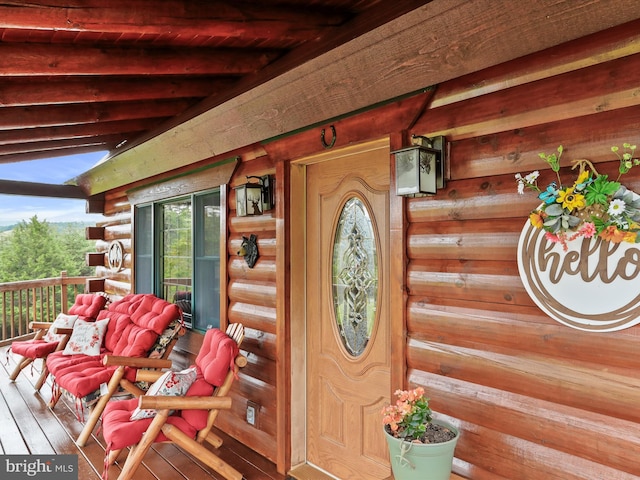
252	302
251	295
117	226
534	399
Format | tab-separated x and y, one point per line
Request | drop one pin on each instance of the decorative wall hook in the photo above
249	250
333	137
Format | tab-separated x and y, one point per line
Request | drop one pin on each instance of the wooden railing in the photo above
35	300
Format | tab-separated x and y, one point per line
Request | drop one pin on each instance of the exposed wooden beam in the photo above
106	141
10	187
125	128
15	92
44	59
47	154
42	116
242	20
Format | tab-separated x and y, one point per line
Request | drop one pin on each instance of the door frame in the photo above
296	173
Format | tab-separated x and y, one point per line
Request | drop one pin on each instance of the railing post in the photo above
4	315
34	300
21	300
64	300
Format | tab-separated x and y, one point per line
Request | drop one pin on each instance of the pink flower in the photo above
588	230
551	237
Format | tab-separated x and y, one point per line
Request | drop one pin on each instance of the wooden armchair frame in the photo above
165	404
117	381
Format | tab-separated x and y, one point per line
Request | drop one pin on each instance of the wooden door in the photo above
348	366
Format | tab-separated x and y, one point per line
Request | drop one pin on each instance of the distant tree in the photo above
35	249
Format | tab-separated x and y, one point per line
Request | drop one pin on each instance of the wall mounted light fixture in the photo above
253	198
420	169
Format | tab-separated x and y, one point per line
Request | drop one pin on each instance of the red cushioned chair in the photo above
193	416
136	323
87	306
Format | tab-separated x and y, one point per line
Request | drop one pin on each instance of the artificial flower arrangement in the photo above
410	419
591	206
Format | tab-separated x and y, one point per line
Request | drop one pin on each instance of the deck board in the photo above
29	426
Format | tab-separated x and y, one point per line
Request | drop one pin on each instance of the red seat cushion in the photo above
34	348
134	322
119	432
87	306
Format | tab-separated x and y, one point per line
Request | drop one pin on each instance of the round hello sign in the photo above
593	285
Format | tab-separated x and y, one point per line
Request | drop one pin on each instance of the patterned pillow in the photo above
62	321
172	384
86	338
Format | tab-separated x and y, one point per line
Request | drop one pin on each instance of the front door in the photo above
348	337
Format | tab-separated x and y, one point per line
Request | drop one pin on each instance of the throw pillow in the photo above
62	321
172	384
86	338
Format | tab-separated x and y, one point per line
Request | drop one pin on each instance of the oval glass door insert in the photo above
355	276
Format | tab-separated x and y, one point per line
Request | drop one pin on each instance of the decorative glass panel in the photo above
355	276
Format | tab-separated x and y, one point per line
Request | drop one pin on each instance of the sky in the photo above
59	170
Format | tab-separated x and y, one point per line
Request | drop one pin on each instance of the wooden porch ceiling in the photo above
164	84
88	75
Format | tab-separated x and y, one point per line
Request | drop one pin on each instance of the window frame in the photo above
152	281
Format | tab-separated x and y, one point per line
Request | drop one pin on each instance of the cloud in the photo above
15	208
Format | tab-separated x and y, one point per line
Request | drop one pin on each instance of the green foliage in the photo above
600	190
409	417
552	159
36	249
626	159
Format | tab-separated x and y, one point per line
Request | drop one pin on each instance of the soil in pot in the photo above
435	433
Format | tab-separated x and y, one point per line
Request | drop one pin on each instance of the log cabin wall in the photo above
116	226
535	399
252	302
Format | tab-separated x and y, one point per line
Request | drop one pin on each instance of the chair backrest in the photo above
218	363
88	305
135	322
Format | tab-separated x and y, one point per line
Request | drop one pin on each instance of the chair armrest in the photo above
150	376
63	331
183	403
137	362
40	325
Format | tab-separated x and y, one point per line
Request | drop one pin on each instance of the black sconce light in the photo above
420	169
253	198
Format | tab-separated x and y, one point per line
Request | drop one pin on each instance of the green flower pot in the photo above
416	461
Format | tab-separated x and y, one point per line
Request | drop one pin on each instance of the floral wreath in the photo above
592	206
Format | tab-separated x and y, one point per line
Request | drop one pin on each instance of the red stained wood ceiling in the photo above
90	75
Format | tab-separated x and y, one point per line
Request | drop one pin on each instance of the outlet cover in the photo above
252	413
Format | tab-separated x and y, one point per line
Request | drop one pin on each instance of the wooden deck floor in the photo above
28	426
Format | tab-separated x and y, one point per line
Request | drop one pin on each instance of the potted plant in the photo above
420	447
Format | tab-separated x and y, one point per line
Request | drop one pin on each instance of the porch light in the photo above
254	198
420	169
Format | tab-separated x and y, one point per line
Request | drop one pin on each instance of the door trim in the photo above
297	303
